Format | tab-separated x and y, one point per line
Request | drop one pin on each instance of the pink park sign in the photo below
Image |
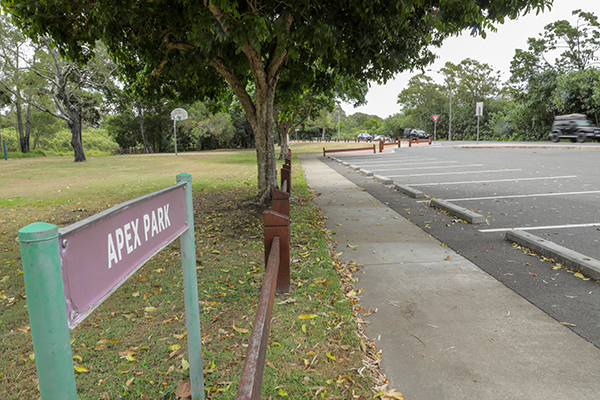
99	253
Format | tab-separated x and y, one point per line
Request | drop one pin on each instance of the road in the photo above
552	192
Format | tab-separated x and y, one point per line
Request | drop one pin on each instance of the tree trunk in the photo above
264	134
143	129
23	138
28	125
76	142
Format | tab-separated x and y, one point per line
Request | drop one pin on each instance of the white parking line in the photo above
525	195
424	163
387	163
459	172
495	180
434	167
533	228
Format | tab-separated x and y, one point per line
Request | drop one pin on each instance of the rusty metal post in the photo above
277	224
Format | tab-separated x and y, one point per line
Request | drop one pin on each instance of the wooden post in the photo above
286	175
277	224
281	201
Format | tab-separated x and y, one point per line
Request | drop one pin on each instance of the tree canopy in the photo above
193	49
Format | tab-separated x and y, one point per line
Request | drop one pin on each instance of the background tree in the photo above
544	85
471	82
180	50
15	56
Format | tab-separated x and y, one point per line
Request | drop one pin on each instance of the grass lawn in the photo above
134	345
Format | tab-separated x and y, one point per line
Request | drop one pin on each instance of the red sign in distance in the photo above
435	117
99	253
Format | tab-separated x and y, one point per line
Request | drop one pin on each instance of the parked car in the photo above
365	136
415	134
379	137
575	127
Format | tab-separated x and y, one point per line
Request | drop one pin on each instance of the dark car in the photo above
415	134
575	127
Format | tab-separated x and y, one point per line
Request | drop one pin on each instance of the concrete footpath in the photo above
447	329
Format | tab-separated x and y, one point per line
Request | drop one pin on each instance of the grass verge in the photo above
134	345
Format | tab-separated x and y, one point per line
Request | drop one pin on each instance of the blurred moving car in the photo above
575	127
364	136
415	134
379	137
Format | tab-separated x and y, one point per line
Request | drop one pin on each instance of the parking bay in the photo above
553	193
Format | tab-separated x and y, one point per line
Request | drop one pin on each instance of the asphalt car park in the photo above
553	193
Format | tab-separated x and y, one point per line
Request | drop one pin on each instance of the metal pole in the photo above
190	293
175	133
47	311
339	124
434	129
450	116
478	129
4	147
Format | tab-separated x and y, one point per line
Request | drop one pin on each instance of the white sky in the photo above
497	50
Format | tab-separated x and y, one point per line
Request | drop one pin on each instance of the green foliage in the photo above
12	142
578	92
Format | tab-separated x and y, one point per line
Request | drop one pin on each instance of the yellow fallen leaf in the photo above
392	394
150	309
129	357
174	347
78	358
4	279
304	328
80	369
129	381
308	316
580	275
240	330
330	356
282	392
184	364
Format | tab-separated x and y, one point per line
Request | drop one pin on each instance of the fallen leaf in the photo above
80	369
392	394
307	316
330	356
129	381
240	330
184	390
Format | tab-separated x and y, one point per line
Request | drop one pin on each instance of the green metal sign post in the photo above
46	251
47	311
